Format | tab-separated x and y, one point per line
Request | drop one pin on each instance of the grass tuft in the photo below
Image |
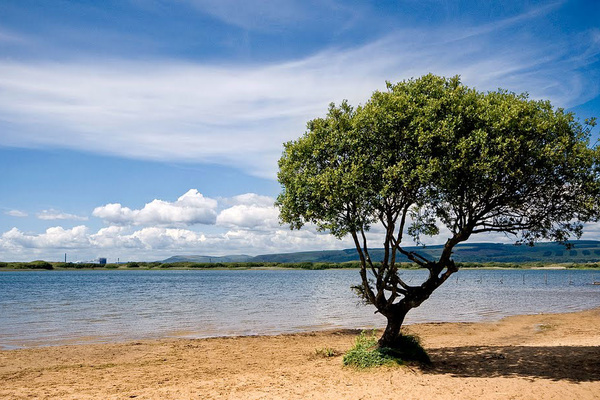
326	352
366	352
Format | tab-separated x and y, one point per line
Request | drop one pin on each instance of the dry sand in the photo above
550	356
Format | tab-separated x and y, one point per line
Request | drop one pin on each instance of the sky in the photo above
141	129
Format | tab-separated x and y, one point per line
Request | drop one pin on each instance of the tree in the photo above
432	152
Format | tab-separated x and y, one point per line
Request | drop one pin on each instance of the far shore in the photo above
482	266
520	357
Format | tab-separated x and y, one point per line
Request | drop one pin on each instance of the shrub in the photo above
88	265
39	265
66	265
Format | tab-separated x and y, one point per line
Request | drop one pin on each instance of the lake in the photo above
39	308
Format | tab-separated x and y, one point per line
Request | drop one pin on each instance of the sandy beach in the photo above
548	356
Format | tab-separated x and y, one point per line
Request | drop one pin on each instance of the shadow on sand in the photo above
571	363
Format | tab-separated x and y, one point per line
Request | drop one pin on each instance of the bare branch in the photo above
363	271
511	231
403	284
366	251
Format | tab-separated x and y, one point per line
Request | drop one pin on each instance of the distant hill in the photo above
209	259
582	251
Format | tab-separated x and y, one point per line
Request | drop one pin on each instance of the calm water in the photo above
58	307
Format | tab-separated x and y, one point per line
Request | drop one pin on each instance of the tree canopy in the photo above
431	153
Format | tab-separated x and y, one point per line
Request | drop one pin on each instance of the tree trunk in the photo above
391	335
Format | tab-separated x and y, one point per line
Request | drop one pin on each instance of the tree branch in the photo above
414	257
363	270
366	251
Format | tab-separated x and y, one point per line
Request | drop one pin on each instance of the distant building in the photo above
102	261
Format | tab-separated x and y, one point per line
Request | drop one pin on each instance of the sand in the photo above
549	356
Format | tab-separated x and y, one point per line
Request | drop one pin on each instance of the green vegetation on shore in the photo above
585	254
367	354
157	265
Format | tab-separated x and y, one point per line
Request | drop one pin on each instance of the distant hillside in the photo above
311	256
209	259
582	251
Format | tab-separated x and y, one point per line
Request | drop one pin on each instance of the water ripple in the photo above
41	308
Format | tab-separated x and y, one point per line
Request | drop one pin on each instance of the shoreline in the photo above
196	335
552	267
522	356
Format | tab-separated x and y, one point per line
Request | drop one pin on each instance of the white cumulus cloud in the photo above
149	238
54	238
189	209
251	199
249	211
249	216
162	238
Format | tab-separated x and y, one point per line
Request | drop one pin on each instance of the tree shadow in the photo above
572	363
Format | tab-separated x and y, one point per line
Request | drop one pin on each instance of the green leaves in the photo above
477	162
323	173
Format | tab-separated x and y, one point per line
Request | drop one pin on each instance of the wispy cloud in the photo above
239	115
273	15
54	215
17	213
10	37
509	22
252	15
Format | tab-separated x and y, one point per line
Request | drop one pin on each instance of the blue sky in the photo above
140	129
